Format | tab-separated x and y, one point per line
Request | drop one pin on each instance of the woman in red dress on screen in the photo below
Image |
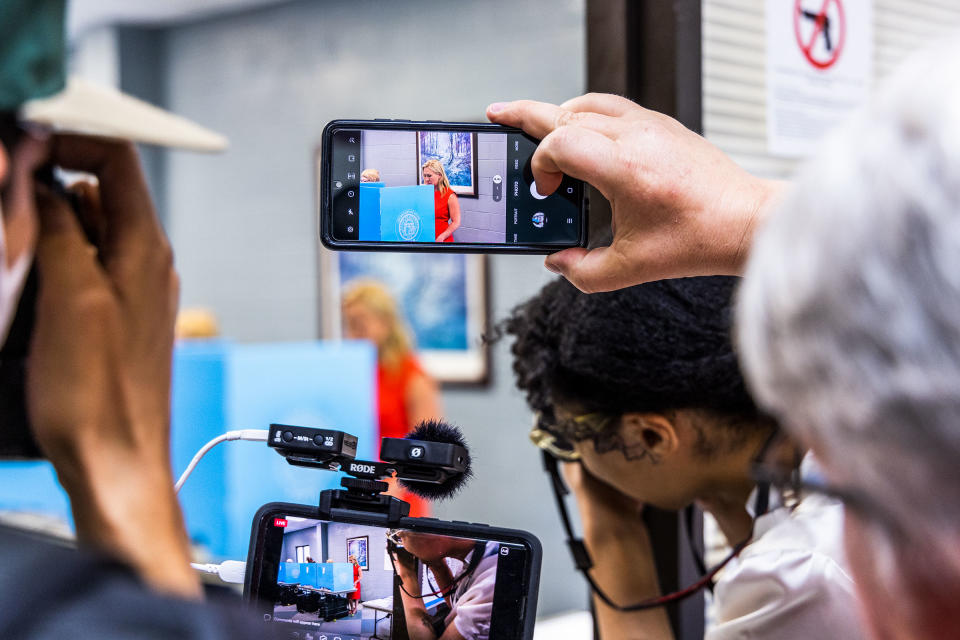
446	207
406	395
354	597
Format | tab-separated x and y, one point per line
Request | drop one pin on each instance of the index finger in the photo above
606	103
579	153
125	200
539	119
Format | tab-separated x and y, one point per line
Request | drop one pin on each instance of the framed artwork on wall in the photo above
358	547
457	153
442	298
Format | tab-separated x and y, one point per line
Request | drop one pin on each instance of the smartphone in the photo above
397	185
303	581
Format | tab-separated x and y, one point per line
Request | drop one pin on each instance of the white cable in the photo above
231	571
253	435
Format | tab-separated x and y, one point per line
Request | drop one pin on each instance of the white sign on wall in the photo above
819	66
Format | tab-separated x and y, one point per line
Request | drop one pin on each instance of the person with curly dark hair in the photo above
641	386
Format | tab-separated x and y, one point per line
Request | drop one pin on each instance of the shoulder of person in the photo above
792	582
51	591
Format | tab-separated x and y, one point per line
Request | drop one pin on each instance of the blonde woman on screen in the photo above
446	207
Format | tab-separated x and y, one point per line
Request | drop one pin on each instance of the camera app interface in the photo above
352	582
463	187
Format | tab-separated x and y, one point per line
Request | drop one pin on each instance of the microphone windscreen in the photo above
440	431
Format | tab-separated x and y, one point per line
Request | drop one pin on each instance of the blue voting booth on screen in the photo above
334	576
396	214
220	386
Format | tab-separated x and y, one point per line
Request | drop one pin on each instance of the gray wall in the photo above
243	224
393	154
482	219
376	582
310	536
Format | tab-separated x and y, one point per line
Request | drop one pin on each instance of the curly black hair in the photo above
657	347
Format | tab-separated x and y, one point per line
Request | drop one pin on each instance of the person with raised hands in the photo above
847	318
97	370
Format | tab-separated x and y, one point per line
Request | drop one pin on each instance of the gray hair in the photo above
849	312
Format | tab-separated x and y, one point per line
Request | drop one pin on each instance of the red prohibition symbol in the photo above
829	28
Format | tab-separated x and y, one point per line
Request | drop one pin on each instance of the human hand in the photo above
604	511
403	559
98	386
619	546
681	207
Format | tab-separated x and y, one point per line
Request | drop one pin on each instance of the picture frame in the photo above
360	547
457	152
444	299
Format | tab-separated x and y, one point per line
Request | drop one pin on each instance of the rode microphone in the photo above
432	461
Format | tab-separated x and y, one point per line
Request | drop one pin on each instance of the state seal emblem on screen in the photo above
408	225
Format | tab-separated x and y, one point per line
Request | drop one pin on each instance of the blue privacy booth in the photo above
370	210
333	576
396	214
220	386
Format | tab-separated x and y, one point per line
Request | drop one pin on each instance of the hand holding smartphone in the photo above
439	186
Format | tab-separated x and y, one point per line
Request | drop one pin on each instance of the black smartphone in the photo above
354	576
397	185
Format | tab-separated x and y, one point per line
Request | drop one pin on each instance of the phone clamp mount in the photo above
413	462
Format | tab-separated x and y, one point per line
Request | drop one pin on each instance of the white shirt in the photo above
792	581
473	598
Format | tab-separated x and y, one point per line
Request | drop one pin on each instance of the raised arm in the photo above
624	568
99	377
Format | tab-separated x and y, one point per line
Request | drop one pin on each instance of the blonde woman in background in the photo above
369	175
446	207
406	395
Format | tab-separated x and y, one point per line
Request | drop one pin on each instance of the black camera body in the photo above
294	594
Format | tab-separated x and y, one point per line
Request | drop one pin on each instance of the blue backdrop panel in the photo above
198	405
406	214
330	385
291	572
219	386
370	210
335	576
32	487
342	576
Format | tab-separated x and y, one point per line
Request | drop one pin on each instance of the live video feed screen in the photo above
354	582
462	187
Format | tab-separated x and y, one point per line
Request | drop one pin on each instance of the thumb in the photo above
591	271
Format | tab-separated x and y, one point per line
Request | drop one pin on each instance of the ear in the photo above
651	435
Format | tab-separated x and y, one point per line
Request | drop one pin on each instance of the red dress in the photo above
392	385
441	212
356	580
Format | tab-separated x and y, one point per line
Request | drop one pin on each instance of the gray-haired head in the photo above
849	313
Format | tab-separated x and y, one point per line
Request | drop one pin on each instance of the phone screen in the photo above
358	581
420	184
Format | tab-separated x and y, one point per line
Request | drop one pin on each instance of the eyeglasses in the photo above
546	434
393	535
